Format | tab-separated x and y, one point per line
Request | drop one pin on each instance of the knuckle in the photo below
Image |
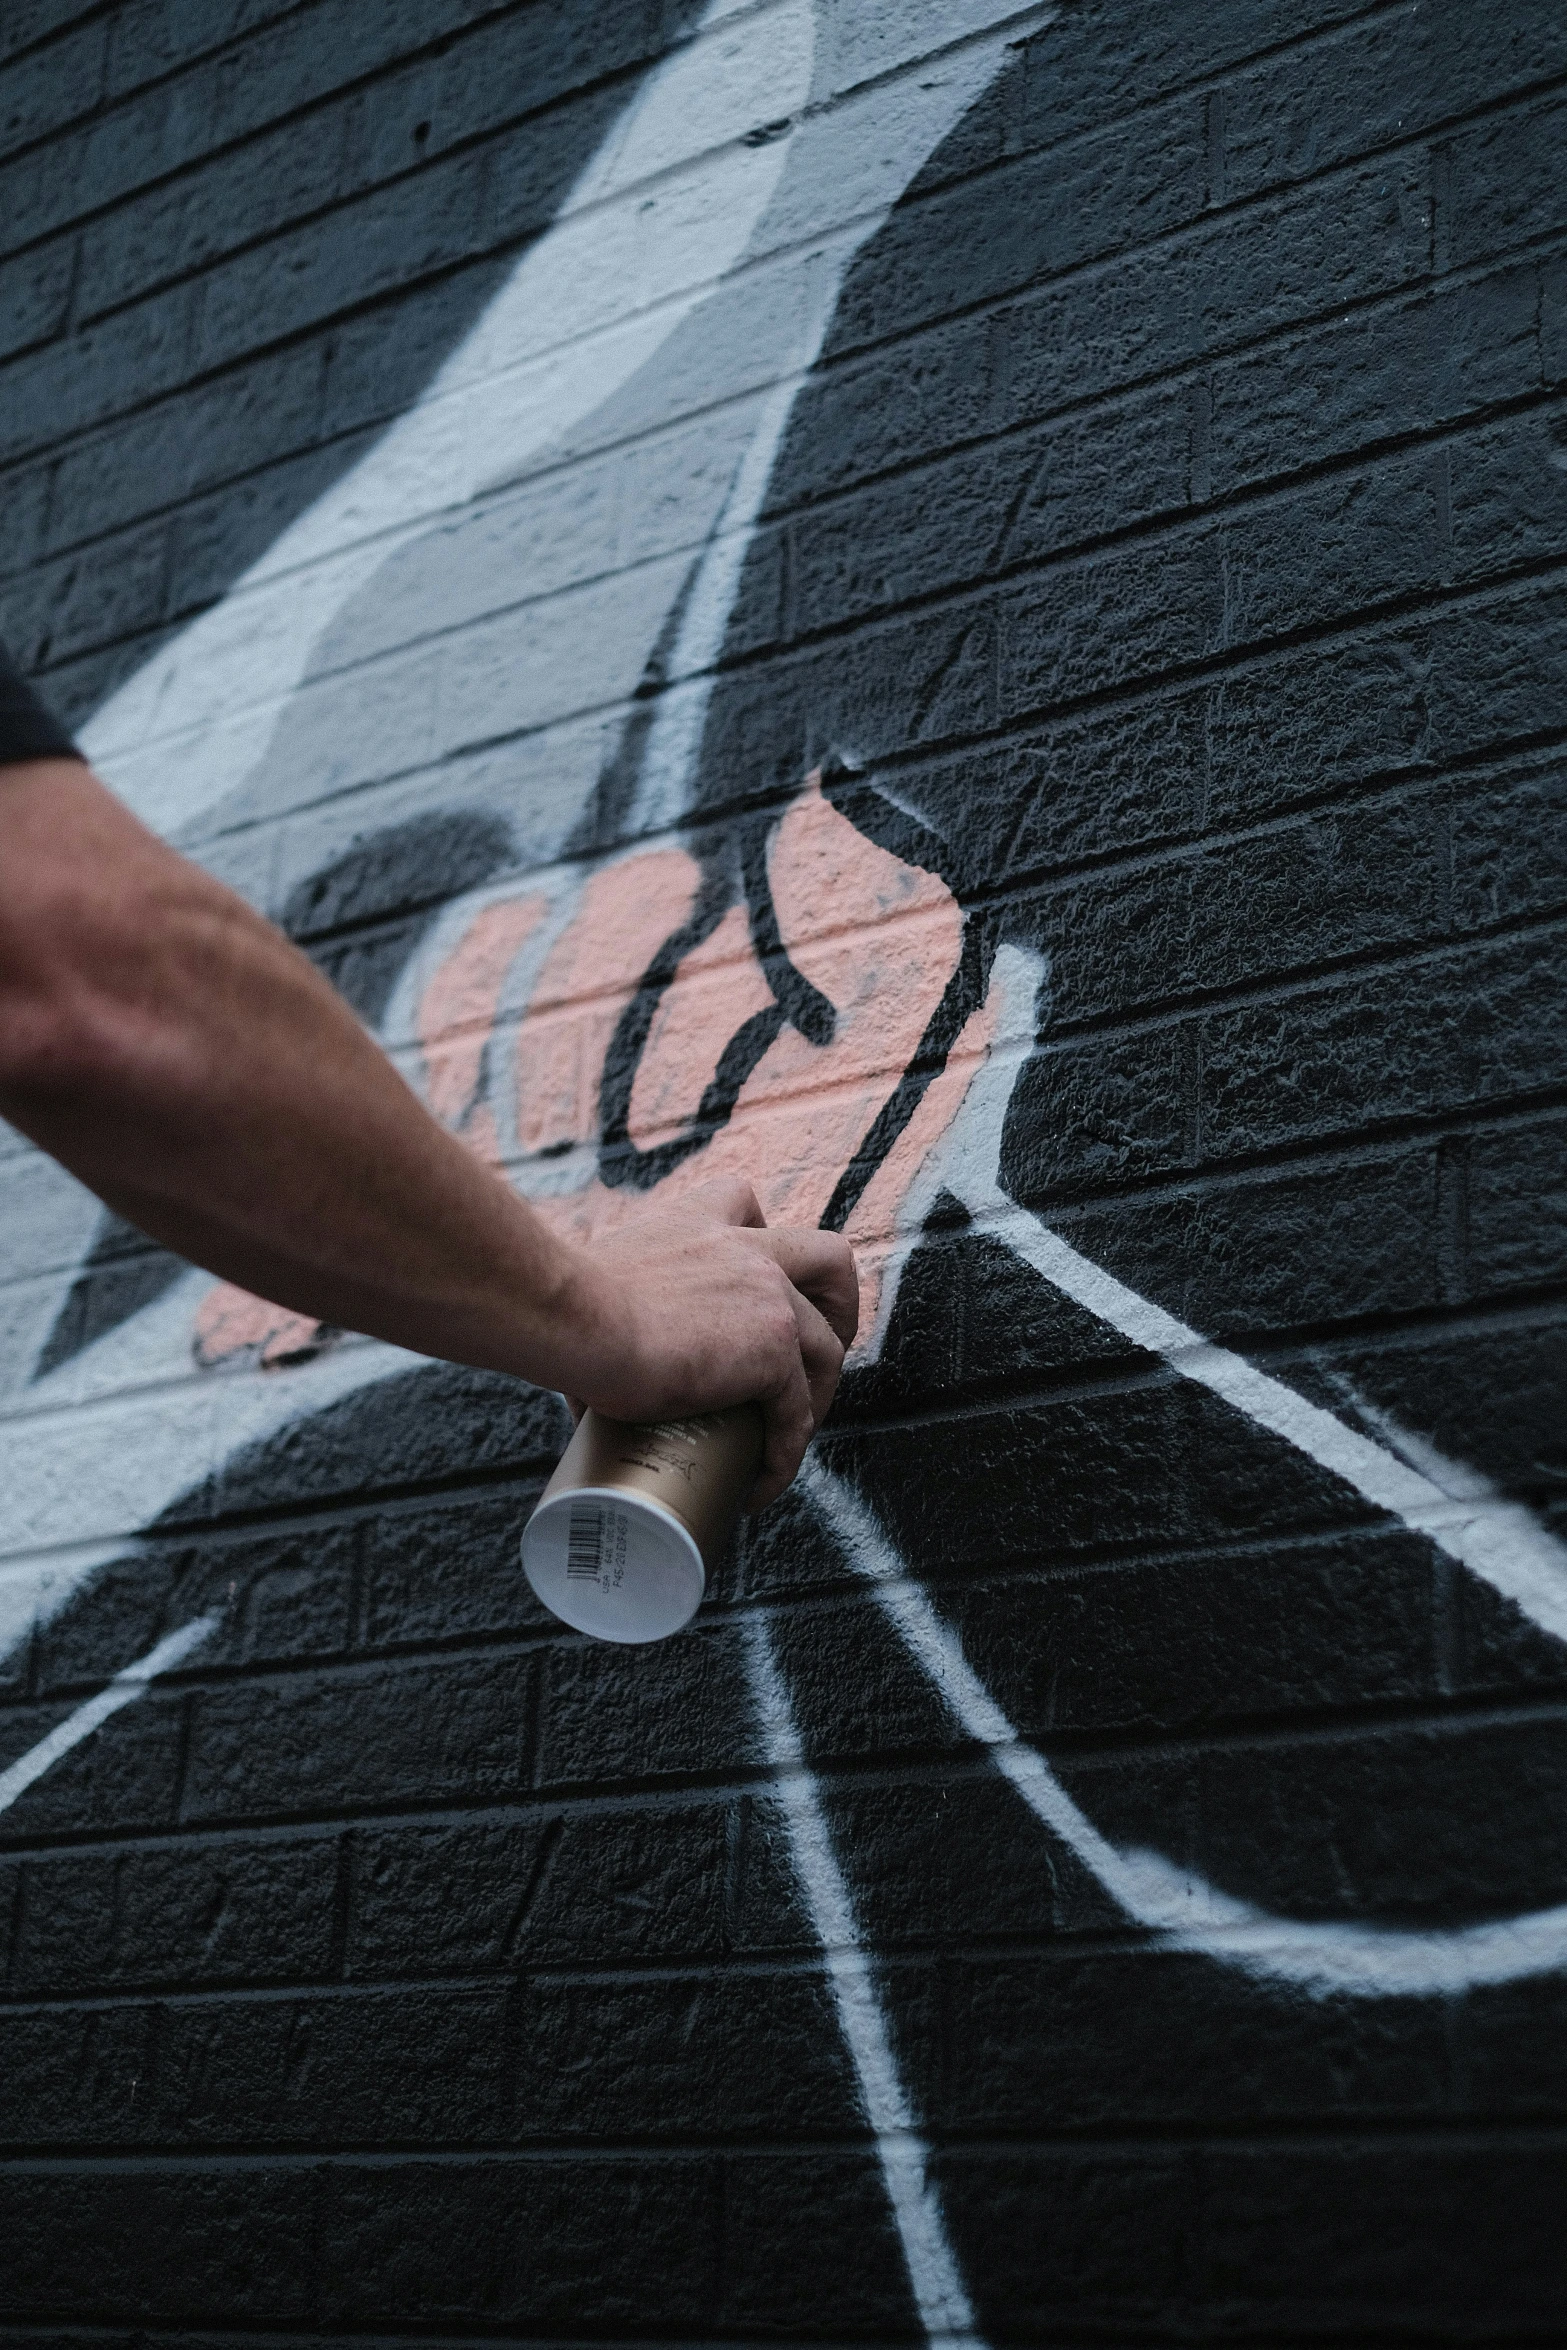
783	1334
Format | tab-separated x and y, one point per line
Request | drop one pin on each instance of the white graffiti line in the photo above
124	1689
934	2278
1498	1540
587	306
1180	1906
59	1523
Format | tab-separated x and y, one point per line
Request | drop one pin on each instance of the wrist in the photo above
572	1318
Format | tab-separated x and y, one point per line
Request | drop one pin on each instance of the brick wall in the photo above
962	610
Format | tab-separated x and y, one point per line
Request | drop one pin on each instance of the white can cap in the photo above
613	1563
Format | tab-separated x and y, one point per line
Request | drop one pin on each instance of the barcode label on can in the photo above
585	1542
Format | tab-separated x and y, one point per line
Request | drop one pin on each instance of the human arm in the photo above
182	1058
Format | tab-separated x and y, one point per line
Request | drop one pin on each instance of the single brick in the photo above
241	1909
736	2057
26	491
1508	494
1504	186
1509	849
1135	2039
1085	1116
457	1730
1421	1039
38	297
356	2069
537	1889
194	2244
609	1713
550	2243
77	2077
450	1571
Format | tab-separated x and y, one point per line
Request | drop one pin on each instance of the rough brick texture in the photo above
965	612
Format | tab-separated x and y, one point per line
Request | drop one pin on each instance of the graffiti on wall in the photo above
660	966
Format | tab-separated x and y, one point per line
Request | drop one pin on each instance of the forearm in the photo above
194	1069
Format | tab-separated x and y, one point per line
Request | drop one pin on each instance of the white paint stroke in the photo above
90	1469
1332	1958
891	139
934	2277
1499	1540
129	1684
587	305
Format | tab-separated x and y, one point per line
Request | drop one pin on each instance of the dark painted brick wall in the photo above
1167	553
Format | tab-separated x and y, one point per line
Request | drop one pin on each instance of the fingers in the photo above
790	1425
821	1354
796	1408
821	1265
730	1199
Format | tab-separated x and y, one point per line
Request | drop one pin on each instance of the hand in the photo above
693	1307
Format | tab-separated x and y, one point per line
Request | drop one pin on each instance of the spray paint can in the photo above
635	1517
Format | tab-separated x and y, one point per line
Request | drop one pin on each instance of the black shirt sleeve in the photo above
27	731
